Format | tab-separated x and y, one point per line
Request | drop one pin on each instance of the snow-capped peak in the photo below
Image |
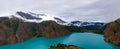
34	14
47	17
38	18
33	17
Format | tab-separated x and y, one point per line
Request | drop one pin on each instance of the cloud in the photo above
49	6
88	10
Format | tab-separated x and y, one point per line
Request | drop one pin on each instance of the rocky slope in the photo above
112	32
14	30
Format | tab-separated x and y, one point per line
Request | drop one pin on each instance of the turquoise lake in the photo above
84	40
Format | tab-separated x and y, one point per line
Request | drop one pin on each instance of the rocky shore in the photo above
63	46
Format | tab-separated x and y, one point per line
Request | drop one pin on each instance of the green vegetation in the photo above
8	24
15	25
98	31
63	46
72	28
78	29
12	24
35	33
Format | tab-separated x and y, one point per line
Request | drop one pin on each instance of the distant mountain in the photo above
38	18
75	23
33	17
34	14
79	25
59	20
87	25
27	15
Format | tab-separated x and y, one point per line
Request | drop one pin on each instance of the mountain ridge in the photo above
38	18
23	26
13	30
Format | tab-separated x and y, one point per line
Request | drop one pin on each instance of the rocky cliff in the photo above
14	30
112	32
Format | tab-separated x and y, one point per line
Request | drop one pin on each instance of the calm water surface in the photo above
84	40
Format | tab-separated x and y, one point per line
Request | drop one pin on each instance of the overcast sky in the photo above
84	10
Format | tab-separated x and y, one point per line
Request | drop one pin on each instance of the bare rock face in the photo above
112	32
51	29
13	30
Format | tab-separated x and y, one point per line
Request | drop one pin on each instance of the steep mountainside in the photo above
23	25
112	32
14	30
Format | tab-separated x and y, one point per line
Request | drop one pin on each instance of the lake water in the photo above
84	40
